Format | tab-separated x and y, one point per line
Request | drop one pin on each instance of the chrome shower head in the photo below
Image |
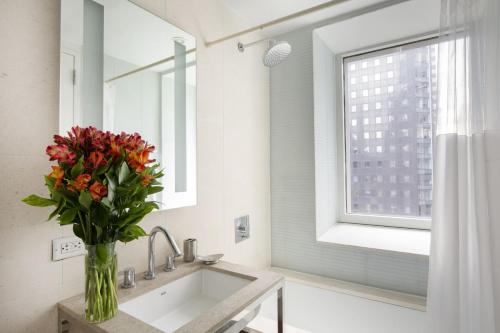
276	52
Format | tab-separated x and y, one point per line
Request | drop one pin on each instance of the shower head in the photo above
276	52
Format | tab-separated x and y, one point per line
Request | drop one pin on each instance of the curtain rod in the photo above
277	21
140	69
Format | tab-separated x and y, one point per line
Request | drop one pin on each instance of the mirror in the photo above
125	69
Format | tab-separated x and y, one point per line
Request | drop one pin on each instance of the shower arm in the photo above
276	21
242	47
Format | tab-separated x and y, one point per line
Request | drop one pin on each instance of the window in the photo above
395	161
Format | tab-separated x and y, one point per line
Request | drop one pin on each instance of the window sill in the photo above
400	240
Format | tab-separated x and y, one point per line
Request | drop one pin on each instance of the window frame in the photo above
342	204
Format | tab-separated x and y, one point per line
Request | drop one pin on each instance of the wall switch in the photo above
67	247
241	228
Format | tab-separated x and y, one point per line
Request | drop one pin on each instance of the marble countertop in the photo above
209	321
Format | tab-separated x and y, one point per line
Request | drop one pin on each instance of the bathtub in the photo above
311	309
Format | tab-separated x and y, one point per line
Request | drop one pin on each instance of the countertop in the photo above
262	281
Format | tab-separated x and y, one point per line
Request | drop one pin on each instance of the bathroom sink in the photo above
173	305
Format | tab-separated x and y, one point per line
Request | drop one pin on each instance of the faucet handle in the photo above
170	265
128	278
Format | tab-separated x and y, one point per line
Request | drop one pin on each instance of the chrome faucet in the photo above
150	274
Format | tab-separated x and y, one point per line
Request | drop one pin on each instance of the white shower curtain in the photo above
464	277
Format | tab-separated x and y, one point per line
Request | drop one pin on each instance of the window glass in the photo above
391	173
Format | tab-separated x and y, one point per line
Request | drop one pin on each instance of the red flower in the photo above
98	191
61	153
98	139
95	160
146	179
81	182
60	140
76	137
58	174
132	141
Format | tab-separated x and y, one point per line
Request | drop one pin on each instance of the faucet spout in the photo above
151	274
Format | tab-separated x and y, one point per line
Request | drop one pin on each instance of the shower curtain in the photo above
464	277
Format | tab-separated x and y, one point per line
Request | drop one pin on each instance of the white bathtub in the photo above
316	310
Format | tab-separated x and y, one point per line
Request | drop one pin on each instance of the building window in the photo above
397	156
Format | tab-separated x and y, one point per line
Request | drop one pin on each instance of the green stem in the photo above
100	288
82	223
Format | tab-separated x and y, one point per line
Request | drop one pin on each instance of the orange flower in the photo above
95	160
98	191
146	180
115	148
81	182
58	174
138	160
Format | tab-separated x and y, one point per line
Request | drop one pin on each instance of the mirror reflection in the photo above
125	69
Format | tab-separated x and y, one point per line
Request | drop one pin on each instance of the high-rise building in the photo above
389	100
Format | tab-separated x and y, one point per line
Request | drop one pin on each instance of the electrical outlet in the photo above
67	247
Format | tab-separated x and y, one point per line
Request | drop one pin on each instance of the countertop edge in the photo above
262	281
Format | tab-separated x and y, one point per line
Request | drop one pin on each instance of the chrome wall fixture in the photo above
276	52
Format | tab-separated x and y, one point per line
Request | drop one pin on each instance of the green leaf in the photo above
106	201
85	199
35	200
102	253
77	169
155	189
78	231
111	186
101	215
98	231
102	169
137	214
68	216
124	173
111	180
62	203
50	182
111	194
130	233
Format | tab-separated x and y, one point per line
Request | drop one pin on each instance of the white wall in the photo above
293	203
233	156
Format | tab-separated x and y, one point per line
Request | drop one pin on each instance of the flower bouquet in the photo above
100	185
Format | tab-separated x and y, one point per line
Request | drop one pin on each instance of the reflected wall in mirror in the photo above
125	69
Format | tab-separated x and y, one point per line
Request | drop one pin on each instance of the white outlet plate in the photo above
67	247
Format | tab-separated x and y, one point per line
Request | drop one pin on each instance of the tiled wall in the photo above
233	156
294	243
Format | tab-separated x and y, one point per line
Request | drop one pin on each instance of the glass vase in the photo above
101	301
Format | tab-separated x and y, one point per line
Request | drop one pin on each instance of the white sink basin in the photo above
175	304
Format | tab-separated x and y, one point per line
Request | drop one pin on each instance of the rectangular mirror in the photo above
125	69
